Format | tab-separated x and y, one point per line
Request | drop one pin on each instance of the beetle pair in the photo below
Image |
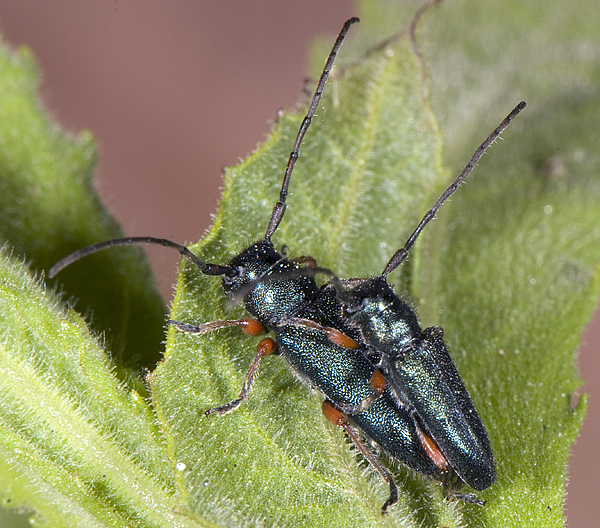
355	342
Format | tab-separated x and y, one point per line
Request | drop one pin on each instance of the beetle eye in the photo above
233	273
355	306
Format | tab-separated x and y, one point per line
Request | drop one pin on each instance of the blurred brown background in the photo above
173	92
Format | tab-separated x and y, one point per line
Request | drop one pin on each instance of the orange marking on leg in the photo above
266	346
434	454
252	327
378	382
333	415
336	337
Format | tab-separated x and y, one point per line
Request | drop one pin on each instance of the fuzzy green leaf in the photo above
49	210
78	446
522	241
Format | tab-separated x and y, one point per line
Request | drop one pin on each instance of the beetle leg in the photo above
337	418
249	326
469	498
452	484
333	334
265	347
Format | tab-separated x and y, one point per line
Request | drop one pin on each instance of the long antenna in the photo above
279	209
402	253
207	269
